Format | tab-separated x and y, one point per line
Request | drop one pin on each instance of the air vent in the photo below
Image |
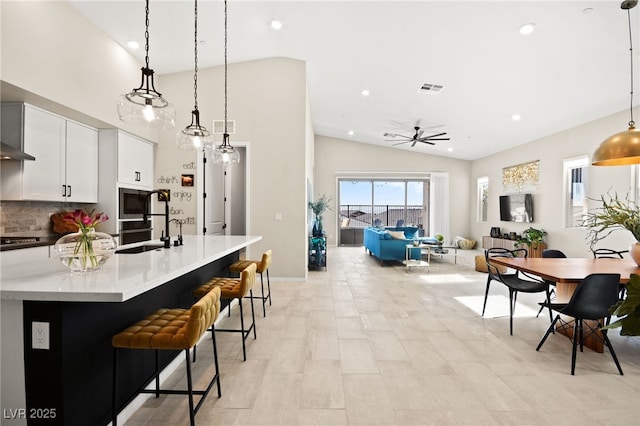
218	127
430	88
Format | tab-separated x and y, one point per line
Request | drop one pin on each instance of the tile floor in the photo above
365	344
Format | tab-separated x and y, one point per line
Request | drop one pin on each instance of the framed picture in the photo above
187	180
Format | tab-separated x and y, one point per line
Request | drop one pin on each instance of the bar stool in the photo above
261	266
234	288
172	329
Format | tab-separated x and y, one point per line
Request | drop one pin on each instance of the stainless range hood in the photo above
7	152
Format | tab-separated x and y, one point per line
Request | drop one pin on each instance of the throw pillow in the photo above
397	235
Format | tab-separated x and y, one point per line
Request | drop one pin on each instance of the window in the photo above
365	202
576	184
482	198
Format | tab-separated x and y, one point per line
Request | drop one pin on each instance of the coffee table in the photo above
433	250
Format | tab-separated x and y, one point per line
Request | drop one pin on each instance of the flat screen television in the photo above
516	208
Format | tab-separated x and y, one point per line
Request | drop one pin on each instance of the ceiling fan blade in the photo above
435	136
434	139
399	143
414	143
419	134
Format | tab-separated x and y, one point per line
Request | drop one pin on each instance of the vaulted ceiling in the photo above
573	68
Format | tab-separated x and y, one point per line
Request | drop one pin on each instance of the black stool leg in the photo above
114	410
192	415
253	316
157	374
269	287
264	298
215	358
244	350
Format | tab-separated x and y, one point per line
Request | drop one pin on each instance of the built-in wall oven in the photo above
133	203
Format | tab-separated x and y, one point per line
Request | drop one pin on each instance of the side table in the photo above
442	250
414	263
317	253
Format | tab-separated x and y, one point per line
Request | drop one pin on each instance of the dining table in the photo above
567	274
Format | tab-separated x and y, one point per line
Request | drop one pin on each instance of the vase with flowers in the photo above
319	207
86	249
614	214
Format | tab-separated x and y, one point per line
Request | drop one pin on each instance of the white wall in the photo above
548	198
268	100
341	158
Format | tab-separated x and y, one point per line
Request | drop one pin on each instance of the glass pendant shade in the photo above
142	108
620	149
194	136
225	153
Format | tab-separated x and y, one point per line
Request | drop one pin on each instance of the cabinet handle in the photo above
64	190
137	176
69	191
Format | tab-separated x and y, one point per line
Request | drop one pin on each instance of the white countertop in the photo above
123	276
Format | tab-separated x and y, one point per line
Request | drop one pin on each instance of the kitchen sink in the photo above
140	249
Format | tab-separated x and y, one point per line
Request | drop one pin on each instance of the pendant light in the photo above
195	136
622	148
145	105
225	153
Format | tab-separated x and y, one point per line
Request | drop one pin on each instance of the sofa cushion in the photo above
385	236
397	235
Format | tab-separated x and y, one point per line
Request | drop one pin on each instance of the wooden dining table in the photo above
567	274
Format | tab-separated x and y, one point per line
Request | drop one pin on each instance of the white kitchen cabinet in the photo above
66	164
135	161
81	163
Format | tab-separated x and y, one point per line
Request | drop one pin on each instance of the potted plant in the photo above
319	207
614	214
628	310
534	240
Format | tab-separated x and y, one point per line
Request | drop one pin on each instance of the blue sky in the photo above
385	192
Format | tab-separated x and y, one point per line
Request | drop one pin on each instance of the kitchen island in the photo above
70	383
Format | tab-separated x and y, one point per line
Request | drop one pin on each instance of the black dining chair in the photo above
515	282
591	300
556	254
605	253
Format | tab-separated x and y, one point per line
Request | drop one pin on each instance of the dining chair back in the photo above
605	253
591	300
515	282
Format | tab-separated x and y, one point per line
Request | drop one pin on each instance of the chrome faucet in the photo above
164	196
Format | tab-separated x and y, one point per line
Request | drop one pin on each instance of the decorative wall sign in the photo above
187	180
521	178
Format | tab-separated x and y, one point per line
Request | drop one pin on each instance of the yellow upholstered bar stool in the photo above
235	288
262	266
172	329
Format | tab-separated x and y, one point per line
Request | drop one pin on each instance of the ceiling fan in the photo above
417	137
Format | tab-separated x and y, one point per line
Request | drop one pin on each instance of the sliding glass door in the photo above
390	202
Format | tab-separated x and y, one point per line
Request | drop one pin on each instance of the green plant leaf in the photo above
628	310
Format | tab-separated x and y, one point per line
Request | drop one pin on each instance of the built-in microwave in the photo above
133	203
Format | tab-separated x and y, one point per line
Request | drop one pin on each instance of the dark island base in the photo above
71	384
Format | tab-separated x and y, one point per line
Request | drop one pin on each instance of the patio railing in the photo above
363	215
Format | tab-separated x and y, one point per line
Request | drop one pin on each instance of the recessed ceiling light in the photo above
351	132
133	44
516	117
365	92
450	149
276	25
527	29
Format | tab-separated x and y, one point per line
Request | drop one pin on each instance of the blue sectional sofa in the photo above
378	242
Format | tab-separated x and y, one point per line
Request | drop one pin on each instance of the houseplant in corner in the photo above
614	214
319	207
534	240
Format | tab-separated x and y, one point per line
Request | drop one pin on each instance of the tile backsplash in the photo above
32	218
